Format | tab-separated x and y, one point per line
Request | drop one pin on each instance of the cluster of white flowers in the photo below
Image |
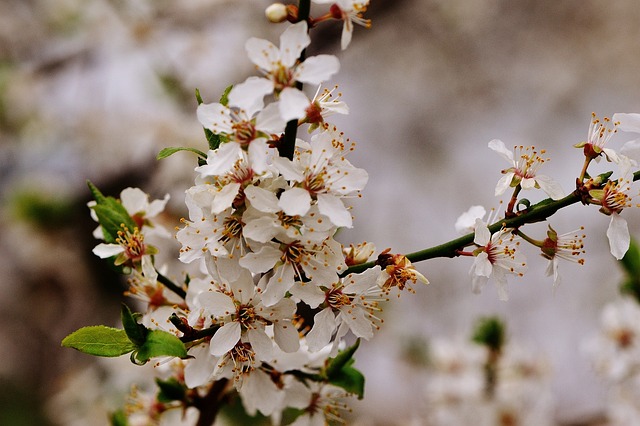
458	392
274	296
615	354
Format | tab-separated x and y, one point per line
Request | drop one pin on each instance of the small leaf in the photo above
99	340
166	152
170	390
111	214
119	418
344	358
224	98
631	260
490	332
137	333
160	343
350	380
198	97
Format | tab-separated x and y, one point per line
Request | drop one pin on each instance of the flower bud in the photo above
277	13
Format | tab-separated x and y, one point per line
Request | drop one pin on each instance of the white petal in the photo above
262	260
269	119
261	229
295	201
224	199
550	186
482	266
216	303
628	122
332	207
500	280
358	323
148	270
498	146
618	234
103	250
134	200
317	69
277	286
221	160
249	94
347	32
259	154
286	336
292	42
263	53
215	117
309	293
198	370
632	149
262	199
225	338
467	220
293	104
482	233
504	183
324	324
261	344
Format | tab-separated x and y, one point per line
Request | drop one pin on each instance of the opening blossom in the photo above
280	67
567	246
497	256
523	171
350	11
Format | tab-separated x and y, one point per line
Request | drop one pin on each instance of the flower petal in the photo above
498	146
225	338
618	234
295	201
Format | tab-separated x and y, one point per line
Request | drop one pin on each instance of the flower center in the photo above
335	298
133	243
232	229
244	132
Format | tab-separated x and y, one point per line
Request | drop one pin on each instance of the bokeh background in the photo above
93	90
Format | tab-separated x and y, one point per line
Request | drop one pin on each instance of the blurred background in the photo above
93	90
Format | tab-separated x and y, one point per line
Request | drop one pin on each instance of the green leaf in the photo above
111	215
631	260
166	152
344	358
137	333
350	380
198	97
170	390
160	343
119	418
339	371
224	98
490	332
99	340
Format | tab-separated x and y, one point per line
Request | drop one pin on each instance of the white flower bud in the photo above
276	13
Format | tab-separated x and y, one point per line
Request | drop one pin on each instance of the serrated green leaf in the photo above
160	343
99	340
170	390
136	332
343	359
166	152
350	380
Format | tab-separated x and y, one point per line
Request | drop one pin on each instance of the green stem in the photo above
537	213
